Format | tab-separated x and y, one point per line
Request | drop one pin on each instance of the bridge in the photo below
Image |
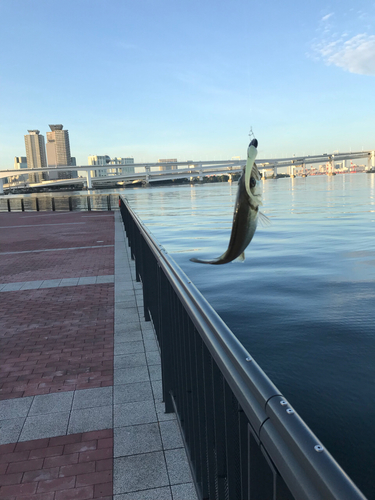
147	173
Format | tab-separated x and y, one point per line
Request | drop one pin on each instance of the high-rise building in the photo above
168	167
58	147
20	162
36	154
35	150
58	151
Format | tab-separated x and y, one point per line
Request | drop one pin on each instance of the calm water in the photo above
302	303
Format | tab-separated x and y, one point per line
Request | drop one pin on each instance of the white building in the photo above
106	160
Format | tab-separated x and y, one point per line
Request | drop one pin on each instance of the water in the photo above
302	303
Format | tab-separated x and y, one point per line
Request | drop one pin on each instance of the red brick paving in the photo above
56	339
77	466
55	265
48	232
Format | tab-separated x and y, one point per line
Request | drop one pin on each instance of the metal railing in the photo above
59	203
243	439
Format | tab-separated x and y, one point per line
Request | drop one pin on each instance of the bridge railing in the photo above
243	438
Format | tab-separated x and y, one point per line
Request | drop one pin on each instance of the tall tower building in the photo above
35	150
58	147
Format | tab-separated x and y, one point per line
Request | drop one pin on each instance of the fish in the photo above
246	211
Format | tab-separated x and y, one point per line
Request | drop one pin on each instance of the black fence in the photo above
243	439
59	203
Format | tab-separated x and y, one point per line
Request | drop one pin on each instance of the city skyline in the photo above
188	81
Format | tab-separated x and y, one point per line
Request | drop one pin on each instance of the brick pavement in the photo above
81	412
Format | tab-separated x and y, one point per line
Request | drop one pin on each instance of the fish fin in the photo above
241	257
263	219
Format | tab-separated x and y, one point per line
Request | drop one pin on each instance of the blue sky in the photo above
187	80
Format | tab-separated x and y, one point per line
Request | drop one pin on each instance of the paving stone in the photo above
131	375
136	439
155	372
139	472
87	280
130	360
10	429
51	403
153	358
31	285
91	398
90	419
129	347
43	426
69	282
140	412
9	408
171	435
178	466
50	283
130	393
184	491
154	494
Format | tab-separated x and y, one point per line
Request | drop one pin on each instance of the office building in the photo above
35	150
20	162
168	161
106	160
35	154
58	151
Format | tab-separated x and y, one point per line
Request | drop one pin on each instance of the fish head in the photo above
252	175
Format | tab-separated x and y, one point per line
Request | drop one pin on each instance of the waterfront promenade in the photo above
81	412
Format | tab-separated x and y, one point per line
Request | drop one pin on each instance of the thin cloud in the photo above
325	18
356	55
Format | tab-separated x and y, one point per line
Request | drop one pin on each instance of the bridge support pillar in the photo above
371	160
147	180
303	169
1	186
275	171
89	180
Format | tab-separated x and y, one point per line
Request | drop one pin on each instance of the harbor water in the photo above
302	302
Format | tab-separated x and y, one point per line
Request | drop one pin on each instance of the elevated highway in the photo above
150	172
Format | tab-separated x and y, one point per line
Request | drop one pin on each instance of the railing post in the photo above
8	204
88	204
70	204
22	205
53	204
37	204
109	202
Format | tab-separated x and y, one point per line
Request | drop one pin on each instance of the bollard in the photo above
53	204
88	204
37	204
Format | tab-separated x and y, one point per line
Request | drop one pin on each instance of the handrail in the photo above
290	447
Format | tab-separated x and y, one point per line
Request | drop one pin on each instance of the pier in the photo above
81	411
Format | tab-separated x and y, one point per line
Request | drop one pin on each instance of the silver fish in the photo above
246	211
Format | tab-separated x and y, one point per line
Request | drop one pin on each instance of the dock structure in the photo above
81	411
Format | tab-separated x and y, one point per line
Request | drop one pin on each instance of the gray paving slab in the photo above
43	426
136	439
137	412
92	398
130	360
12	287
154	494
10	408
87	280
139	472
153	358
171	435
131	393
90	419
51	403
105	279
178	467
155	372
129	347
69	282
184	491
10	429
131	375
31	285
50	283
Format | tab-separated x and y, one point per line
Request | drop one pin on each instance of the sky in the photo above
188	79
